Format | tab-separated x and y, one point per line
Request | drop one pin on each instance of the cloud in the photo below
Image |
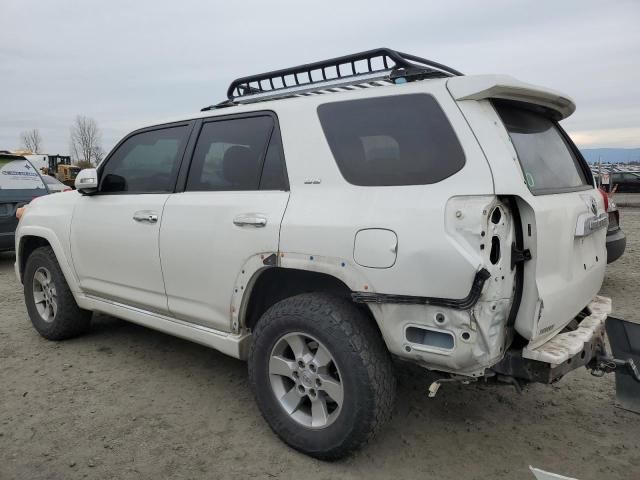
621	137
126	63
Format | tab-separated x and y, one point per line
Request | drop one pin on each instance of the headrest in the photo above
239	166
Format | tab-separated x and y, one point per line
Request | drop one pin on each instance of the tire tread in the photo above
365	342
70	320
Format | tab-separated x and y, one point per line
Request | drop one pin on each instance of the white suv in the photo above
329	217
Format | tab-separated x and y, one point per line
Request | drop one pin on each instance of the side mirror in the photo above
87	181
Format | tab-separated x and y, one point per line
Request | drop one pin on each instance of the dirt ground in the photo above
128	402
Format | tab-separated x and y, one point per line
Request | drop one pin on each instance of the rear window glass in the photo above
19	175
397	140
548	163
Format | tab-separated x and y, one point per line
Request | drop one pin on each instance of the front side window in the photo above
547	160
396	140
237	154
147	162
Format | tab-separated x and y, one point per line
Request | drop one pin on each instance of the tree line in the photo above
85	142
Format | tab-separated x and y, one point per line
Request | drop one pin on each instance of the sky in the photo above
136	62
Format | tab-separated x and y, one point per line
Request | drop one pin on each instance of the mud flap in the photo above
624	338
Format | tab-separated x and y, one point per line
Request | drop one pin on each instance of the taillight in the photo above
68	190
605	197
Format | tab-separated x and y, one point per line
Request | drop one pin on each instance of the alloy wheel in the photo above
305	380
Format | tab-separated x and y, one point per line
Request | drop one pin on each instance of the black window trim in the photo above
185	123
185	167
446	116
553	117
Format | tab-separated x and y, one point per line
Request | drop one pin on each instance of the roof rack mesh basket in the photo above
372	65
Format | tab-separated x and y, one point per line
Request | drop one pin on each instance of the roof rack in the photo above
364	68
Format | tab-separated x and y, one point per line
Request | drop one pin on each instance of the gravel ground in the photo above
128	402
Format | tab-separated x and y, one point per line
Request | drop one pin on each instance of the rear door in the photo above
566	218
229	213
114	233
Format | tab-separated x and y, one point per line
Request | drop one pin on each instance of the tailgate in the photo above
564	216
568	261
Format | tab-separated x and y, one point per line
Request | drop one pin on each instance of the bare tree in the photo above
31	140
98	154
85	139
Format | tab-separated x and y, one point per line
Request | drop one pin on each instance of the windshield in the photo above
547	160
19	178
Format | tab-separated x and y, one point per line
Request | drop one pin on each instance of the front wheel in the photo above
321	374
53	311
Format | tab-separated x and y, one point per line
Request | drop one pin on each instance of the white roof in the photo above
468	87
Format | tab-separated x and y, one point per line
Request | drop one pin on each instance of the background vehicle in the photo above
67	174
616	239
19	184
331	216
55	186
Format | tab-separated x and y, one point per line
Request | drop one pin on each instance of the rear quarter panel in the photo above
325	212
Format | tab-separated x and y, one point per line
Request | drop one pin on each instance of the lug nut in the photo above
301	364
318	383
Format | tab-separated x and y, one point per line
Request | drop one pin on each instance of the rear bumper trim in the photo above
566	345
616	245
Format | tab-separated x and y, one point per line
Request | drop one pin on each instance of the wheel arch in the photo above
33	237
271	285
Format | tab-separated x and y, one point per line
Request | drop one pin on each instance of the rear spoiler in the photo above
481	87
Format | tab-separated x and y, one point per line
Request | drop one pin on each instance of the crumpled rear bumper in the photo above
562	353
565	346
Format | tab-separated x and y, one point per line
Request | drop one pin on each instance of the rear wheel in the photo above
52	309
321	374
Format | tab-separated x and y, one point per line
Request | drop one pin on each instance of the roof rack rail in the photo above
372	65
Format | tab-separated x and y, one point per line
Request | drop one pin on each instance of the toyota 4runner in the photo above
329	217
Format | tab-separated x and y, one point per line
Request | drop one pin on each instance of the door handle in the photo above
250	221
145	216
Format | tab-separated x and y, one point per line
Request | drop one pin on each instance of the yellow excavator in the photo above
61	169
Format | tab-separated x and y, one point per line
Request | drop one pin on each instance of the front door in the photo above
234	200
114	233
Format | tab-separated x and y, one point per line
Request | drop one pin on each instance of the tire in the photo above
359	375
58	317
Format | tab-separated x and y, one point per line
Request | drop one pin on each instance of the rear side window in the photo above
398	140
237	154
147	162
547	159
